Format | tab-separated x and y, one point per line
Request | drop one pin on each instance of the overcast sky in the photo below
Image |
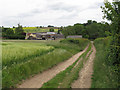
49	12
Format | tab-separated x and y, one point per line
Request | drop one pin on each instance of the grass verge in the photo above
104	75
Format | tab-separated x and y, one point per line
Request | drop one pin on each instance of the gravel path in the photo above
85	75
38	80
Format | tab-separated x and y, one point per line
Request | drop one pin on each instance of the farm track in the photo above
85	75
38	80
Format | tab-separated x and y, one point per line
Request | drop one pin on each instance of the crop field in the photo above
25	58
21	52
34	30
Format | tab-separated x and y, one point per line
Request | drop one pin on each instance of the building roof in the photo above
74	36
50	32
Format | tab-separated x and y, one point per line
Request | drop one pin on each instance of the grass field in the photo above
104	75
36	30
22	51
23	59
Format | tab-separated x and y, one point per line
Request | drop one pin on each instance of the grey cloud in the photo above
29	14
62	6
96	5
24	15
69	16
10	21
55	7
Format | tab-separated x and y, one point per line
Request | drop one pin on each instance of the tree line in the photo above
15	33
90	30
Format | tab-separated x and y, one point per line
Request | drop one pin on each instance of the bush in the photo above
105	73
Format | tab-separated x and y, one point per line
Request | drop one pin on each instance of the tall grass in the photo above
13	75
104	75
15	53
36	62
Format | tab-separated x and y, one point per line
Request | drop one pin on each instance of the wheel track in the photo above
38	80
85	75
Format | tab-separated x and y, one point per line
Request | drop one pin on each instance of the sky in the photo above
49	12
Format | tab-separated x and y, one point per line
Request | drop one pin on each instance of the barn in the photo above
74	36
43	36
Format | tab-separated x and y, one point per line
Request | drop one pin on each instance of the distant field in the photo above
34	29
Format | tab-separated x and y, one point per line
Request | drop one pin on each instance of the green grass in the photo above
15	53
103	76
34	66
65	78
25	58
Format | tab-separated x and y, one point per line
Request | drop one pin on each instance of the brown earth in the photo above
38	80
85	75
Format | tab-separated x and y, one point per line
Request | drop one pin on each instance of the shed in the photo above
74	36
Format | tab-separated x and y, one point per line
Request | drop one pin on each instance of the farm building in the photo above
43	36
74	36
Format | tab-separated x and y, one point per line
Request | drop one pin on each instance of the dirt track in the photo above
84	80
38	80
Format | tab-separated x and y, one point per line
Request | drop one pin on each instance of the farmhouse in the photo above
43	36
74	36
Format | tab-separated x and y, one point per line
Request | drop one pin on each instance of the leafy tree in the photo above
50	26
112	13
40	26
19	30
60	30
85	34
51	30
89	22
7	32
93	31
78	29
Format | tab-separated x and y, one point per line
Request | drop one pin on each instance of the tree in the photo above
50	26
93	30
112	13
7	32
51	30
19	30
40	26
89	22
60	30
78	29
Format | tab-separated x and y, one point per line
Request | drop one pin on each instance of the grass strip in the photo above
74	74
103	75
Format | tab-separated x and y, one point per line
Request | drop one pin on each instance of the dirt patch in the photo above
38	80
85	75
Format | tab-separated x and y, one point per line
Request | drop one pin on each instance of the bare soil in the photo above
85	75
38	80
